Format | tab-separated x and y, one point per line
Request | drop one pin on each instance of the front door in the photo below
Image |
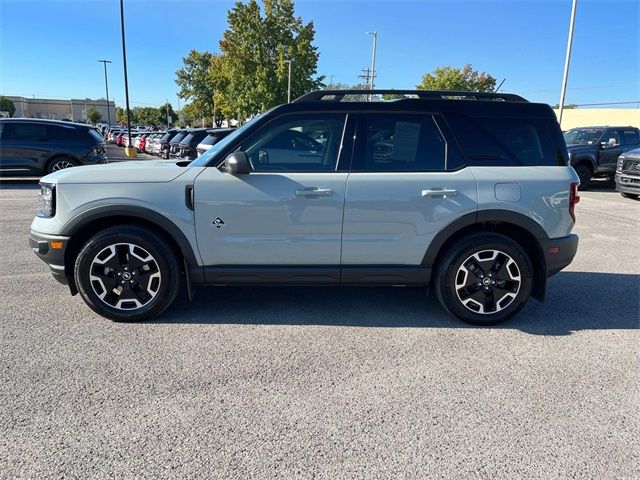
287	211
406	185
610	150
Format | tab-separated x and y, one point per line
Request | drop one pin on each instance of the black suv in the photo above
594	151
213	137
31	146
187	147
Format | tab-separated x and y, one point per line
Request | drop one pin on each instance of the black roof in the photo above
63	123
470	103
213	131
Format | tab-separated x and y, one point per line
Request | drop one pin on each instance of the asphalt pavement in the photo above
332	383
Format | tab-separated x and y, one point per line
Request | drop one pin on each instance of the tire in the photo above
467	295
60	163
633	196
585	174
127	273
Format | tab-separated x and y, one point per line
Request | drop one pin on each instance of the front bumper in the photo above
559	252
628	183
50	249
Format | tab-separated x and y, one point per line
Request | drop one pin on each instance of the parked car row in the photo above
183	143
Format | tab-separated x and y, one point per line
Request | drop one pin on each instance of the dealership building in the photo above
74	109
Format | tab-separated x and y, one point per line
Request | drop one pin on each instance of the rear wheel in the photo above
484	279
127	273
60	163
629	195
585	174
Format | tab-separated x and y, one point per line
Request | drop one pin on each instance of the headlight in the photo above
47	197
619	165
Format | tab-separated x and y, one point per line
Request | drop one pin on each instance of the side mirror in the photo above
612	142
237	163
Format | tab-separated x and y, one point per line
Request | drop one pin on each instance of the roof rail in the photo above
338	95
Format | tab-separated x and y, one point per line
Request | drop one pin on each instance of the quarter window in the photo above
505	141
297	143
401	143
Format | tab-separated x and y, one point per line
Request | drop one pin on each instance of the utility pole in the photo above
373	59
567	61
167	113
289	83
106	86
366	76
128	149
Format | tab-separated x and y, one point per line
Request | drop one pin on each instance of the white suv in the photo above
468	193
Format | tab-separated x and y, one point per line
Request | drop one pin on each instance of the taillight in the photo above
573	199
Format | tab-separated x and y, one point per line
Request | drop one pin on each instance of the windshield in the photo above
583	136
203	159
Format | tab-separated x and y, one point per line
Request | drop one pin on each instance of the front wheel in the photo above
484	279
633	196
127	273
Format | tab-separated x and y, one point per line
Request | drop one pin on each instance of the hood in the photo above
147	171
632	154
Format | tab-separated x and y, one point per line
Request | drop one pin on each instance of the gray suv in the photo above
470	194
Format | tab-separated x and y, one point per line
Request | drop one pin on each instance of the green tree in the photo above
121	115
162	114
196	83
255	51
453	78
146	115
6	105
93	115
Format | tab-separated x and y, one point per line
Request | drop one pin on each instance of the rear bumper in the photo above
559	252
628	183
41	245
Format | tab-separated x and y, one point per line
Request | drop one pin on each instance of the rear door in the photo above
407	183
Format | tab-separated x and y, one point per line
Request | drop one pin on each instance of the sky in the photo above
51	48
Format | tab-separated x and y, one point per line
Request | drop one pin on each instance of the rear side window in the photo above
400	143
178	138
59	133
505	141
25	131
631	137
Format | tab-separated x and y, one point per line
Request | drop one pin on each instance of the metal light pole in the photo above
167	114
126	82
289	83
373	60
106	86
567	61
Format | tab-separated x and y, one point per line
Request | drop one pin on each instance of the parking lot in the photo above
325	382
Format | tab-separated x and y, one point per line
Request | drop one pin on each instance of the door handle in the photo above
314	192
439	193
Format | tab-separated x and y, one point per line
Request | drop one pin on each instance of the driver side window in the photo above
612	134
297	143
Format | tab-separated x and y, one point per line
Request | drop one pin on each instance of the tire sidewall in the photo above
167	264
445	284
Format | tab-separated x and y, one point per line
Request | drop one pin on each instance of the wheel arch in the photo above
82	227
585	160
525	231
